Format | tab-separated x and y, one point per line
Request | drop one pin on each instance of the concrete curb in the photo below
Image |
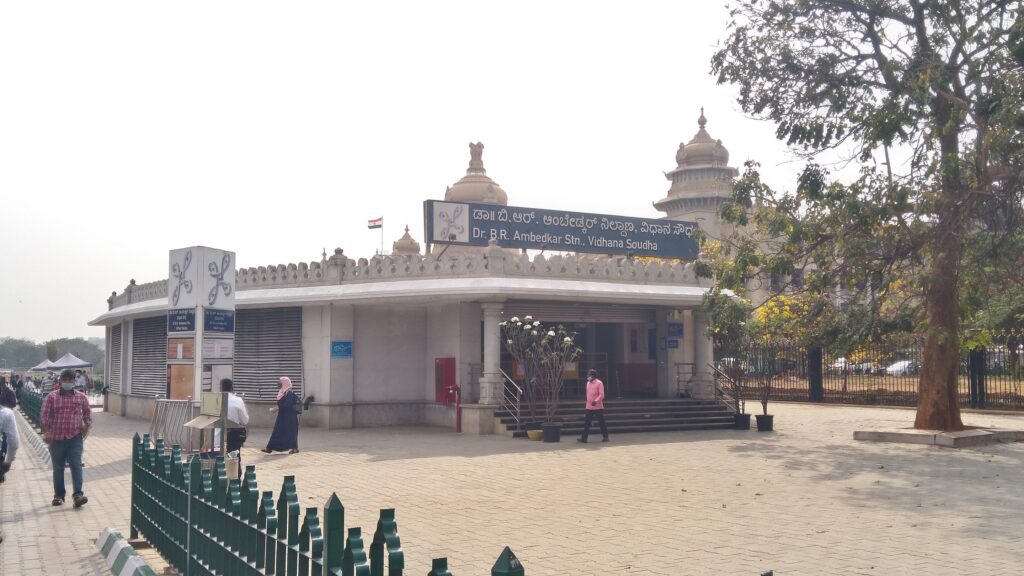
120	556
962	439
29	434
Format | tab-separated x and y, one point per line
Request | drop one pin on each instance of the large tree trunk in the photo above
937	405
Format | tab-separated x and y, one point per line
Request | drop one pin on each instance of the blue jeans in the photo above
67	452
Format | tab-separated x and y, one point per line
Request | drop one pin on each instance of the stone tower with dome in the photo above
475	186
701	182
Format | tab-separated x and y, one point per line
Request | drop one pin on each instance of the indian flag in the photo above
375	223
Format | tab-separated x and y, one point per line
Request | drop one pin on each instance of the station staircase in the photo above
631	415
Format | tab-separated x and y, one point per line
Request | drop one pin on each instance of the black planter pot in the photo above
742	421
552	432
764	422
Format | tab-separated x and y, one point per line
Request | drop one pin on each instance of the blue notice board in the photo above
181	320
341	348
673	343
675	329
218	320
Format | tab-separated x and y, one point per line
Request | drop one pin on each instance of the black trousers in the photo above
600	420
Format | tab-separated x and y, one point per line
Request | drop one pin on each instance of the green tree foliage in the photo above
22	354
938	81
52	350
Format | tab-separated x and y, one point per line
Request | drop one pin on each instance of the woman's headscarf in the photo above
286	385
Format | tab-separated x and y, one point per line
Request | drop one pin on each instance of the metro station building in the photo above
376	341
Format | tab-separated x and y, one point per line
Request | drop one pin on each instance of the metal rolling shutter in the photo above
582	312
149	357
114	365
268	345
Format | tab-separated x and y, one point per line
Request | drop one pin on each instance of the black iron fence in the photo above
882	373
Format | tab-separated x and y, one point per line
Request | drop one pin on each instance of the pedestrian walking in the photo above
238	414
286	428
9	439
65	418
594	407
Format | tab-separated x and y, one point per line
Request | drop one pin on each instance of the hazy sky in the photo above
277	129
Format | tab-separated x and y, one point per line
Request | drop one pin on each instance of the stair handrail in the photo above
511	396
726	395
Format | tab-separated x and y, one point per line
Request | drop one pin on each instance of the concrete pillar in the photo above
703	356
663	366
491	382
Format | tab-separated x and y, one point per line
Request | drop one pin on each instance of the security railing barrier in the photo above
203	524
169	418
31	403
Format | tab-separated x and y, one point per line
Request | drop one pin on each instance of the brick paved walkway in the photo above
806	500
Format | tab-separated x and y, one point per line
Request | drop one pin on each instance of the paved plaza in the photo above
805	500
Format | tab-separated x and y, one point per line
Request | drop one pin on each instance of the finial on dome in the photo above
702	120
406	246
476	152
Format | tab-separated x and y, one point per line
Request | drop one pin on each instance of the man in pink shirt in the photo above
595	406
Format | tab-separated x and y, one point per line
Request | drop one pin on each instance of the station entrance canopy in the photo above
475	224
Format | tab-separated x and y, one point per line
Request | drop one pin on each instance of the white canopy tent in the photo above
69	360
42	366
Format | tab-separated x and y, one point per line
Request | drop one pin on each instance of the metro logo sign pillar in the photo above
200	318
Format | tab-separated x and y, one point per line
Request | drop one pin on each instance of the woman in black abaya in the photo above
286	428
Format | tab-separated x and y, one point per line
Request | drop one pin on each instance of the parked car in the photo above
842	365
903	368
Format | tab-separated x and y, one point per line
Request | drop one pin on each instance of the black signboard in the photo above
218	320
475	224
181	320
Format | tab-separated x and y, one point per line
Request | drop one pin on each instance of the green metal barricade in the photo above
204	523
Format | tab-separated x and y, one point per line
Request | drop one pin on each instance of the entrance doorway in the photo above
623	354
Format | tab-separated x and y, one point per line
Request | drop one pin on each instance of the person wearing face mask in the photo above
65	418
595	407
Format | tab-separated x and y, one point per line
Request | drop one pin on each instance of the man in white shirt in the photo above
237	414
8	428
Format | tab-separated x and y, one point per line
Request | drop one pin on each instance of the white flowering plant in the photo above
543	353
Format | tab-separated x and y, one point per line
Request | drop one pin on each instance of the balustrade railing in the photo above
511	397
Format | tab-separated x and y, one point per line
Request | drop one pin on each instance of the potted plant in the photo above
737	375
543	353
764	388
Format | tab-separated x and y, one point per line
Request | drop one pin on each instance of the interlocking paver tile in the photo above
807	499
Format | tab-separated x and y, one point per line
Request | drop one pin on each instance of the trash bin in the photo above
208	460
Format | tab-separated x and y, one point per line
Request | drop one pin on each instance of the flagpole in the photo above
382	236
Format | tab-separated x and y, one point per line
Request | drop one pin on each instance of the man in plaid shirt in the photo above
66	417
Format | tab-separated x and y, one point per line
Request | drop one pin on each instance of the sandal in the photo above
57	501
293	451
80	500
265	451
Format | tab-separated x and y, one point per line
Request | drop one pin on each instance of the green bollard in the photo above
507	564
